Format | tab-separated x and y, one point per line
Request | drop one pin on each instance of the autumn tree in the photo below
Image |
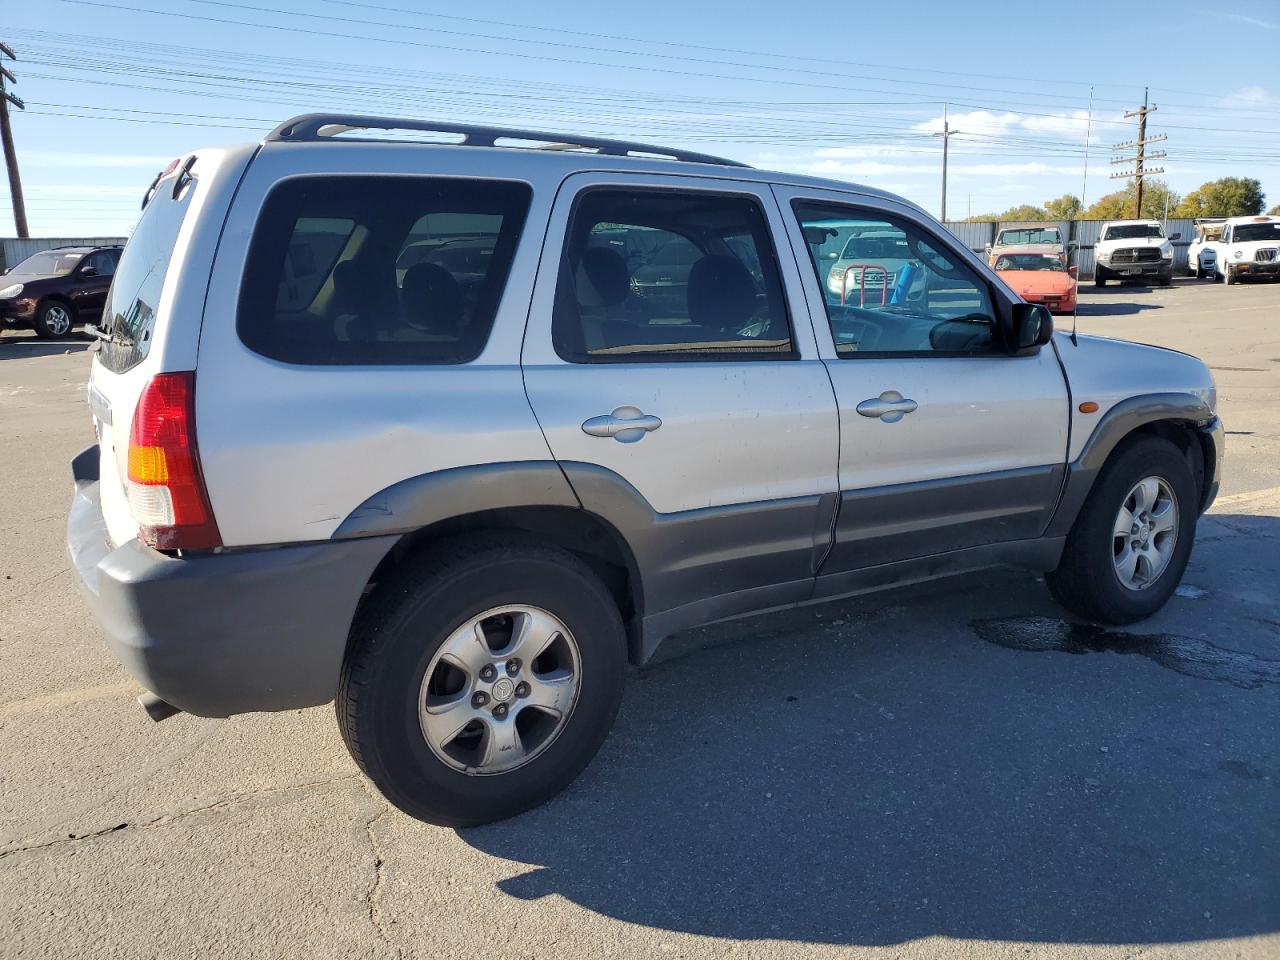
1119	205
1228	197
1066	207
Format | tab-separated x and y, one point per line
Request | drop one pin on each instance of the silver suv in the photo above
396	424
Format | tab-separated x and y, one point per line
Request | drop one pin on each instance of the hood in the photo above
8	279
1108	371
1038	281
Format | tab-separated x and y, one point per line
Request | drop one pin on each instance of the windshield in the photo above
1029	261
1252	232
1029	235
884	246
50	263
1134	231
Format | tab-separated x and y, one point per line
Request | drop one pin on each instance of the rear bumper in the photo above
227	633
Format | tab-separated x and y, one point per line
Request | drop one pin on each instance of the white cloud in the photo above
1251	21
984	123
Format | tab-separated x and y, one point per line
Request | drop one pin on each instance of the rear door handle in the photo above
625	424
890	407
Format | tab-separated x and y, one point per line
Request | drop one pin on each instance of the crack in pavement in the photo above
373	896
167	818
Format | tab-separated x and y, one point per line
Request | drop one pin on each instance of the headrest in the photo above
431	299
603	278
722	293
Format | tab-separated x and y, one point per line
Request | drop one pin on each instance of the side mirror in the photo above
1175	236
1073	244
88	272
1074	271
988	249
1032	328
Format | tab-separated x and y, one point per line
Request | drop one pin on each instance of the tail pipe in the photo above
156	708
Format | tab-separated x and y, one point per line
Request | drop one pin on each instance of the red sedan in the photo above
1039	278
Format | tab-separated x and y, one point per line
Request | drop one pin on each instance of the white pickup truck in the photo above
1133	249
1202	253
1249	247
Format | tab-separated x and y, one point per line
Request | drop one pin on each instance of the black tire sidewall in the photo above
1149	457
397	756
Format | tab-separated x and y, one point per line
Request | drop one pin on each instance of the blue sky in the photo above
117	88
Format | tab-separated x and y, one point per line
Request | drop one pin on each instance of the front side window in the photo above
379	270
903	292
662	275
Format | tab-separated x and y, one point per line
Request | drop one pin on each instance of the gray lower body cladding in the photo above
221	634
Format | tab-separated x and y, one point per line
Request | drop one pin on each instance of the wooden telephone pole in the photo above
6	134
1140	169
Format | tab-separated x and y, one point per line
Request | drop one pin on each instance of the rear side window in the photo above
656	275
130	312
379	270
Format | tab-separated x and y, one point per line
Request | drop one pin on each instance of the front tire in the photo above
1130	544
1228	277
1099	278
481	680
54	319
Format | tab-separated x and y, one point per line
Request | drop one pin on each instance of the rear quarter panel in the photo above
290	450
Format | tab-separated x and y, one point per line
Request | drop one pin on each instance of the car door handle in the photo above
625	424
890	406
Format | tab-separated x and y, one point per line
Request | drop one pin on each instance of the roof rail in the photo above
313	127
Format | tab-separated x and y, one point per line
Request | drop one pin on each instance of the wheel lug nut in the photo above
500	711
522	689
487	672
513	667
479	698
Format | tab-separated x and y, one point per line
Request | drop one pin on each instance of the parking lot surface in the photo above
949	771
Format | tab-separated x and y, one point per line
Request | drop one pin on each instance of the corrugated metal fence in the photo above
977	234
14	251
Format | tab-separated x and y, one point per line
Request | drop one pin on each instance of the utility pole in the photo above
6	134
946	135
1141	155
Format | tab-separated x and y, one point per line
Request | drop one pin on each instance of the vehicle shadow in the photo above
882	769
14	346
1122	308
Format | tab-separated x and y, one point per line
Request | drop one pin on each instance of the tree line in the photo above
1227	197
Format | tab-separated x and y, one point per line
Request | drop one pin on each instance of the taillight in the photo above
166	489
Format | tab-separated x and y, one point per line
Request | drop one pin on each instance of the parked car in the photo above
1250	247
1039	278
1040	237
868	266
1133	250
55	290
1202	252
460	520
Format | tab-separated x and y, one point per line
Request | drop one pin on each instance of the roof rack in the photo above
313	127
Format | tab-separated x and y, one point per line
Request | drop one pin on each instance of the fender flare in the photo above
1116	424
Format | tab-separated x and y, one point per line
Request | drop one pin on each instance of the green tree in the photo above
1066	207
1274	211
1228	197
1119	205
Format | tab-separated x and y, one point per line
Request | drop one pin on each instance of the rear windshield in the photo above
1020	235
379	270
129	316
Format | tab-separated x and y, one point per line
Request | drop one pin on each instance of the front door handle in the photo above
890	407
625	424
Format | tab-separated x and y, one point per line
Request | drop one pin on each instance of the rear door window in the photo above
657	275
379	270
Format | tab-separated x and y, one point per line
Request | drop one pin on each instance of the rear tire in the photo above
1088	580
54	319
386	692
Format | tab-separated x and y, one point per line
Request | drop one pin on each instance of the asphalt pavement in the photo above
953	770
